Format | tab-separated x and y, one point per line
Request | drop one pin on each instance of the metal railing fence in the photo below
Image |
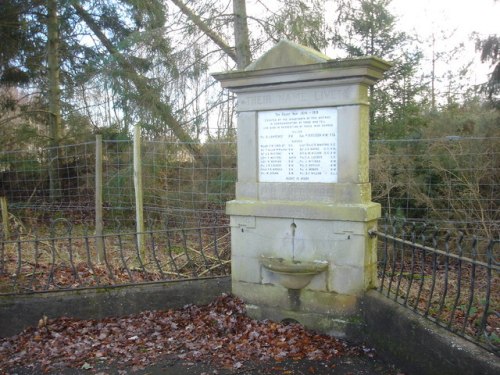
445	277
67	257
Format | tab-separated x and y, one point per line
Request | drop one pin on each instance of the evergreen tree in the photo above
300	21
490	52
132	28
366	27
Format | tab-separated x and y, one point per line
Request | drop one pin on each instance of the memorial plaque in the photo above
298	145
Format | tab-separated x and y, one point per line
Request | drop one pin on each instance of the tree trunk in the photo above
55	127
242	44
433	74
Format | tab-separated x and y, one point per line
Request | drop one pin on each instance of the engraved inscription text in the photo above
298	145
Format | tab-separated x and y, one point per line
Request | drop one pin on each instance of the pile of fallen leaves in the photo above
219	333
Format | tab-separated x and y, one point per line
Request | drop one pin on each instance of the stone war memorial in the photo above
302	213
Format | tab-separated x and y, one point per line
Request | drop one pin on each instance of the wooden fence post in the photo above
139	210
99	226
5	217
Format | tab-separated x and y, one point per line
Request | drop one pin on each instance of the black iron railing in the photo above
69	256
445	277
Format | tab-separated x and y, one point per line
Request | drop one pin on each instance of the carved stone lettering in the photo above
324	96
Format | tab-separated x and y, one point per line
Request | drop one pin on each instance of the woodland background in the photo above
72	69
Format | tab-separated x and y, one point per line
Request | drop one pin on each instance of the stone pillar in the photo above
300	220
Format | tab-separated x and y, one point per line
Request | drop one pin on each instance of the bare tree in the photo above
241	38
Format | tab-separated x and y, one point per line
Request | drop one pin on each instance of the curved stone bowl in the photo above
293	274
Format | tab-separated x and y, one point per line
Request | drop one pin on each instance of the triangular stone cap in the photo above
287	53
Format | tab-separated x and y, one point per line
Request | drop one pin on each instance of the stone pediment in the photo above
285	54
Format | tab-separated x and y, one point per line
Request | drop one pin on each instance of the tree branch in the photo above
22	114
150	100
217	39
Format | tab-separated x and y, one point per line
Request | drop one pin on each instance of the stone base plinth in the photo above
331	235
293	231
331	313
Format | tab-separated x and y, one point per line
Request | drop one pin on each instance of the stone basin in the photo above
293	274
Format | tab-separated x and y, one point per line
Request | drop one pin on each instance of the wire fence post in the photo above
98	199
139	210
5	217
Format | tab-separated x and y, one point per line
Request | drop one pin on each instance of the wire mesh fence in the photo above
175	185
452	181
188	190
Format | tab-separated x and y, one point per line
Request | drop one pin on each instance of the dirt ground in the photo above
358	365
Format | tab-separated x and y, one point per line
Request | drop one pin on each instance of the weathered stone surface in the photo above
327	312
21	311
247	147
286	52
362	70
322	94
246	268
305	210
419	346
317	209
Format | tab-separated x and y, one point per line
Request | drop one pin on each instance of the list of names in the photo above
298	145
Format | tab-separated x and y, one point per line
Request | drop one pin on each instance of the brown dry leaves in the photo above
219	333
